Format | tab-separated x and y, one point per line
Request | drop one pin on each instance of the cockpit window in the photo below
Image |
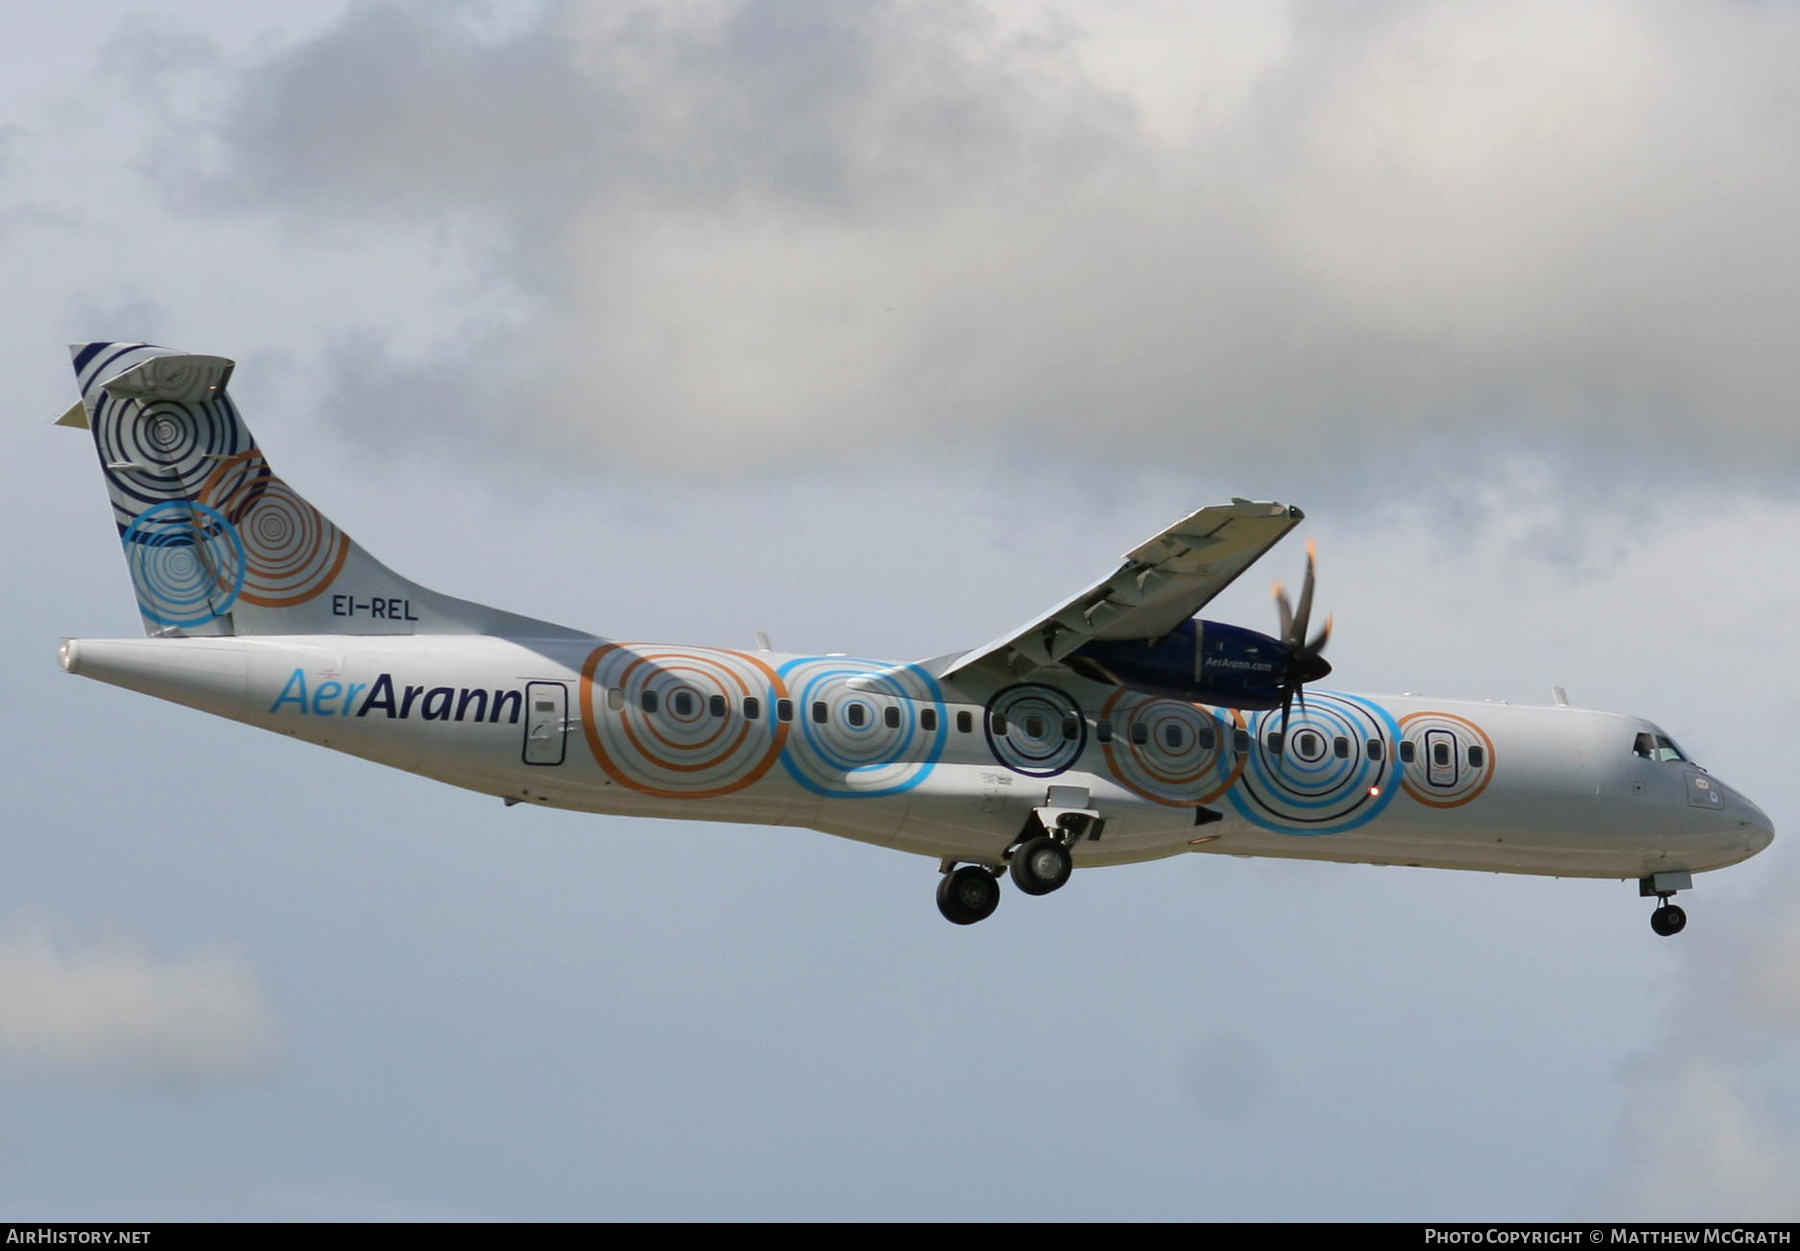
1656	747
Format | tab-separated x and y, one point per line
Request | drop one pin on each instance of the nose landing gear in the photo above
1668	919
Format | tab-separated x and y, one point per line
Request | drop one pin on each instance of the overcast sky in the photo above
882	327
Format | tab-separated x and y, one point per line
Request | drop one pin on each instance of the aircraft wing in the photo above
1161	584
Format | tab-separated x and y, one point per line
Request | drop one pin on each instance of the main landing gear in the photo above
1039	863
968	894
1668	919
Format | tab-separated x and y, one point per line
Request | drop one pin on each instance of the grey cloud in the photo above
759	234
110	1013
125	316
828	109
1706	1132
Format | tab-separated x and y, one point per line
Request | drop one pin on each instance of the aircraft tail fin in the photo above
215	542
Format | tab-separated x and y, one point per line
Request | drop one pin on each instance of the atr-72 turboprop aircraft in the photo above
1117	727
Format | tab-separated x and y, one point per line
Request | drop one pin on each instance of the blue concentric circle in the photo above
1325	780
186	561
863	740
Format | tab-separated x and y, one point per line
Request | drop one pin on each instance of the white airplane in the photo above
1115	728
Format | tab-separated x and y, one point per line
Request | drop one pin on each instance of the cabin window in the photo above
890	717
1306	743
615	697
1034	725
1071	728
681	703
1340	747
1406	751
647	701
1477	757
1274	742
1173	737
928	720
997	723
821	713
1240	741
1103	731
1140	733
752	708
965	722
1206	738
715	704
1440	754
784	710
1375	749
855	714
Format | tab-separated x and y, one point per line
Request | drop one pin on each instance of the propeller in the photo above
1306	662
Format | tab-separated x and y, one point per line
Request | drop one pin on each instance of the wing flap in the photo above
1160	584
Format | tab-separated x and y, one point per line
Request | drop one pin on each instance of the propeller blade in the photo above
1304	613
1319	640
1305	663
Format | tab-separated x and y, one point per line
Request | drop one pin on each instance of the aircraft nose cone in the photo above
1759	831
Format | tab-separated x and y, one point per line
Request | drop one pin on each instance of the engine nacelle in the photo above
1198	662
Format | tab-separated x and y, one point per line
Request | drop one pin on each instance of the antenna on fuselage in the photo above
1562	696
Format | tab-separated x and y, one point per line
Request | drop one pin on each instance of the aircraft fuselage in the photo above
886	754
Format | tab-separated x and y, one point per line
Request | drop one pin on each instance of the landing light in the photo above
1374	790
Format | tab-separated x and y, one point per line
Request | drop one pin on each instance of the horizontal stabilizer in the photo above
175	379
